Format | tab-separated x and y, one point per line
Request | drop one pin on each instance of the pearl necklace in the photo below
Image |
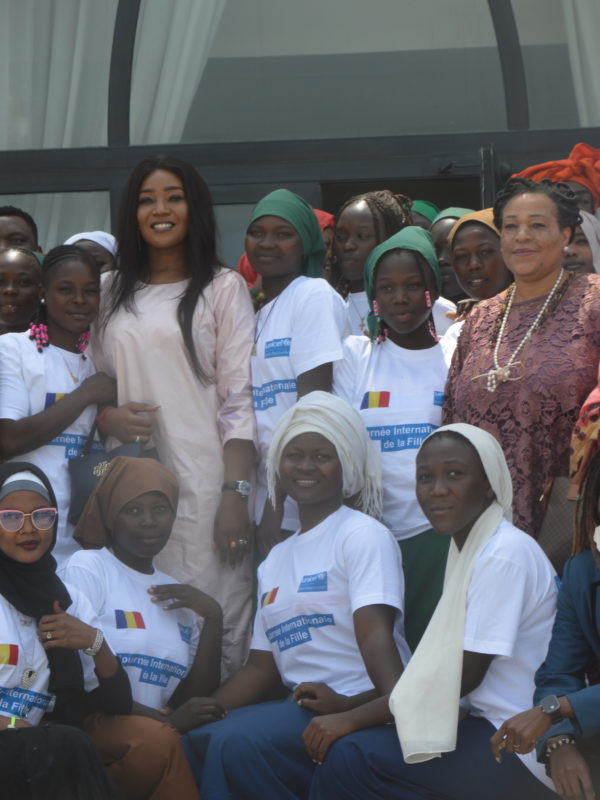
500	374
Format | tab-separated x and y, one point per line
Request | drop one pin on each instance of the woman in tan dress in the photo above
527	358
177	330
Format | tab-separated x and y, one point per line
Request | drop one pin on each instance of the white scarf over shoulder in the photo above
425	701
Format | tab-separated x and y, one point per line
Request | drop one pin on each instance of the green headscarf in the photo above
411	238
293	209
425	209
453	211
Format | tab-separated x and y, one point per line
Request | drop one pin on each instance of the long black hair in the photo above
200	245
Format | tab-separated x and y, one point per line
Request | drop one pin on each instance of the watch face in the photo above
550	704
244	488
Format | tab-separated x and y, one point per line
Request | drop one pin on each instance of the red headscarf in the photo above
324	218
582	166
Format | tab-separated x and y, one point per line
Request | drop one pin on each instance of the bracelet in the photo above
561	742
97	644
12	724
100	417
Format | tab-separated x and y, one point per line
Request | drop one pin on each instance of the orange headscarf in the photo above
581	166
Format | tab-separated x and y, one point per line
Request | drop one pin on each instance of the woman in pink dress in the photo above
177	330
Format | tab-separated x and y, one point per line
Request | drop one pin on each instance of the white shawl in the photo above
425	701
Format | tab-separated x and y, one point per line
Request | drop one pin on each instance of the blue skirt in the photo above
368	765
255	753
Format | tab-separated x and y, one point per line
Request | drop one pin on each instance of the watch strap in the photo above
96	645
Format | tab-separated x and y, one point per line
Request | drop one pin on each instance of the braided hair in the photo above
560	194
587	516
54	259
390	211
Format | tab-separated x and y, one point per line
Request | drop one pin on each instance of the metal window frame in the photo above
240	172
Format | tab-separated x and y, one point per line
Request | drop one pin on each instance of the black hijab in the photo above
33	588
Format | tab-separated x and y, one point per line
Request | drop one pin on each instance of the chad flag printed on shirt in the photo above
376	400
269	597
53	397
9	654
129	619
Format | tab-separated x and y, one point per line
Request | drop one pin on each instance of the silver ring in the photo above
48	635
137	438
242	541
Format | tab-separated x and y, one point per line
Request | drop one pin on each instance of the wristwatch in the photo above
550	705
97	644
241	487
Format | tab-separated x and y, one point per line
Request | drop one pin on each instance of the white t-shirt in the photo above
24	672
399	394
358	312
310	585
299	330
31	382
450	338
511	602
156	647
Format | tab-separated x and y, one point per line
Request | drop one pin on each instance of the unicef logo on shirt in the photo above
314	583
278	348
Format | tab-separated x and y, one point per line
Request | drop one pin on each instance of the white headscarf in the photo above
590	225
425	701
104	239
340	424
23	482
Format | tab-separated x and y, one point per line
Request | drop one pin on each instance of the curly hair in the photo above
560	194
200	245
587	515
390	211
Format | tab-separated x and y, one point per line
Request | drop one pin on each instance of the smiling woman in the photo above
527	358
176	333
329	623
446	709
49	387
285	246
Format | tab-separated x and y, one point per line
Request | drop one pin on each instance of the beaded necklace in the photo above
513	370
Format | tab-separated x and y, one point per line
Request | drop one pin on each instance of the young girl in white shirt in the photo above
49	387
476	662
395	379
329	612
299	330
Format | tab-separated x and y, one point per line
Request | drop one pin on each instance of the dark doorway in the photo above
444	192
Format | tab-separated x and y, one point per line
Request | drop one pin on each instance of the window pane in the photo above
279	69
542	33
54	67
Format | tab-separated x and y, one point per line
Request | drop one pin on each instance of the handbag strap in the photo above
90	440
